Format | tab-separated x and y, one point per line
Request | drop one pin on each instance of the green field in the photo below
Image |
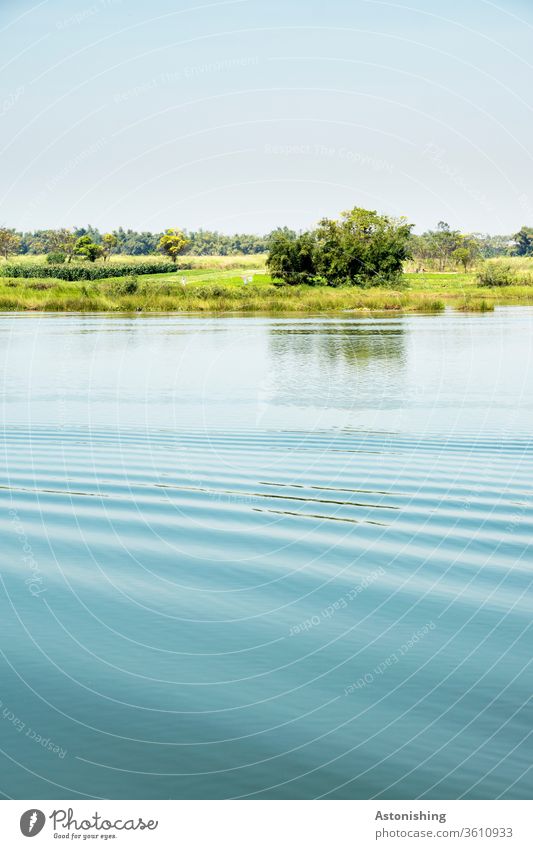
217	284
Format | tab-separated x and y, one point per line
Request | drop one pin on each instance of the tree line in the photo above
361	245
124	242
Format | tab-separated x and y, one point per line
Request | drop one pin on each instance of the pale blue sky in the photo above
250	114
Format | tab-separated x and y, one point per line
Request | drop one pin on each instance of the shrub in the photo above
126	286
73	273
55	258
495	274
291	258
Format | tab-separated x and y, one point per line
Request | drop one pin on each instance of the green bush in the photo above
73	273
292	258
55	258
126	286
495	274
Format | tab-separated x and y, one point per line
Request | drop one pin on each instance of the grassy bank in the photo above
220	287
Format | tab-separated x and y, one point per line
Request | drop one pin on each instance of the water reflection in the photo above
358	343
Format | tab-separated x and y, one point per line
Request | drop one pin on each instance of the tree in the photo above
291	257
87	248
362	248
421	250
492	246
462	257
524	242
173	243
61	241
442	243
109	243
10	242
467	252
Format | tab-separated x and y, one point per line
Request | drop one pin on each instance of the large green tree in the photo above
362	248
85	247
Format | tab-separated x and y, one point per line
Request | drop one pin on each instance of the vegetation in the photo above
524	242
292	258
172	244
466	254
134	243
495	274
9	242
361	248
432	250
84	272
361	261
109	244
54	243
445	248
222	289
88	249
55	258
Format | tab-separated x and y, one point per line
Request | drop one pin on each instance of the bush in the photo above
56	258
291	258
73	273
127	286
362	248
495	274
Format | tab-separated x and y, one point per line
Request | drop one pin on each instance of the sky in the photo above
245	115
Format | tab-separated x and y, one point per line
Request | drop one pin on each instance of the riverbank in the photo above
250	289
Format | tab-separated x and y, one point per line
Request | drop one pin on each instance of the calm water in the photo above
266	557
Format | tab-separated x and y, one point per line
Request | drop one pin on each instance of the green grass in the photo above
218	289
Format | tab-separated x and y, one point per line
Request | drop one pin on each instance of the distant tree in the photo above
421	250
280	231
91	231
173	243
136	244
58	241
109	244
10	242
442	243
467	252
85	247
461	256
492	246
524	242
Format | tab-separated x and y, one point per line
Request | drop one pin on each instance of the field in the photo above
241	284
